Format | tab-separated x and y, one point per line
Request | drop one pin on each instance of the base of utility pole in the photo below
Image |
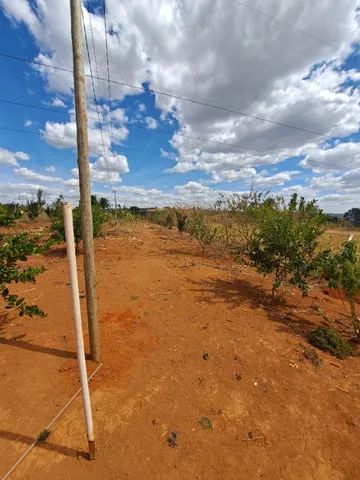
91	449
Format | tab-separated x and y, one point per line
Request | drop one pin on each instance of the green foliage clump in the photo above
180	221
329	340
55	209
35	207
285	240
169	221
342	270
199	229
102	202
9	213
14	250
58	228
240	213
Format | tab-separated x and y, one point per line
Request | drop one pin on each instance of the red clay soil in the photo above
252	408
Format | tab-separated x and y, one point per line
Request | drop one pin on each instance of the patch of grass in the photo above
329	340
313	357
43	436
205	423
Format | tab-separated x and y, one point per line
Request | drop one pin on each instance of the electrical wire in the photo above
108	69
140	127
46	135
176	97
94	92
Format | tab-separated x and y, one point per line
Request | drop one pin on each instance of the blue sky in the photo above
298	71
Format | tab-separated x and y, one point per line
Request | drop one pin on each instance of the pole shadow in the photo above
33	347
52	447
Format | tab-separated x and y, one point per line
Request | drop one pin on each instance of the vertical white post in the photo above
70	247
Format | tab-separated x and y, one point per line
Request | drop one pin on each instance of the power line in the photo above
41	134
94	92
285	24
290	26
140	127
94	49
176	97
108	68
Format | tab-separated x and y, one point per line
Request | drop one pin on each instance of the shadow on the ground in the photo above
242	293
18	342
58	251
53	447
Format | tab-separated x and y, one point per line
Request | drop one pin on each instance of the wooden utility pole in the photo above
84	177
115	199
116	206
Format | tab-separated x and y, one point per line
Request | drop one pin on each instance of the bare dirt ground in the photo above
183	337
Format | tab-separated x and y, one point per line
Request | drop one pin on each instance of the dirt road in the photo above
201	378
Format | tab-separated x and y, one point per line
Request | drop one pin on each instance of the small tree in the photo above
353	216
35	206
104	203
55	209
58	227
342	270
285	241
222	207
13	251
180	221
203	233
243	212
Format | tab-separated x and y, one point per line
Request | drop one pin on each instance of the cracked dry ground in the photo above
200	378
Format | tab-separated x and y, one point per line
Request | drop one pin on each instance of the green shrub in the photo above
203	233
55	209
285	240
58	228
329	340
35	207
169	221
180	221
342	270
13	251
9	213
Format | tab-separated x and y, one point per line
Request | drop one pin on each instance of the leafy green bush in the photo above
180	221
329	340
240	213
12	251
285	240
198	228
9	213
58	228
55	209
342	270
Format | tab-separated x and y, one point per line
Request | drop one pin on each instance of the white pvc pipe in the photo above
70	247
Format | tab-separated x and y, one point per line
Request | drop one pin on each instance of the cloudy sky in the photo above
205	96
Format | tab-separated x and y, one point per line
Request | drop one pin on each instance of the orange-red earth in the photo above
203	374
